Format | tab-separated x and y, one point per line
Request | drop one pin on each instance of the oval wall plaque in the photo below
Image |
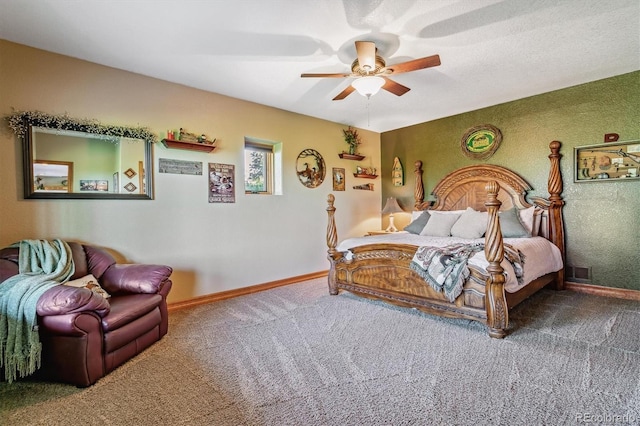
480	142
310	168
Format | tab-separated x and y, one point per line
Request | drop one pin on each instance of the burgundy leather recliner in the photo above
83	335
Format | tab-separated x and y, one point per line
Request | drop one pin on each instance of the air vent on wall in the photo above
578	274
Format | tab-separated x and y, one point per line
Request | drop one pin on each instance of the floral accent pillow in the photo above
89	282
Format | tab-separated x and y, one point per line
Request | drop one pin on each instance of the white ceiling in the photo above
492	51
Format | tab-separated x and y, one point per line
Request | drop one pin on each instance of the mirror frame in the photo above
31	193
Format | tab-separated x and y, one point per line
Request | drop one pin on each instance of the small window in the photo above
258	167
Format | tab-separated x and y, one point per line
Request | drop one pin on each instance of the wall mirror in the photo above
72	164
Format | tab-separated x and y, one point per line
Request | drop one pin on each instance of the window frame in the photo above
268	149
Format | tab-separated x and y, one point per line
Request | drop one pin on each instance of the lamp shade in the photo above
368	86
391	206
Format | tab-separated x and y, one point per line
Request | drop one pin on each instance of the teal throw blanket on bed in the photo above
42	264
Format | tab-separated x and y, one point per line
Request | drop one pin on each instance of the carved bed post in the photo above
418	191
332	241
556	226
495	300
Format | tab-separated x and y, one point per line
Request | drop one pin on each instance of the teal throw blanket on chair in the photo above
42	264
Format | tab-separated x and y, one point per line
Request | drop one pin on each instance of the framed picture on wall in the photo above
338	179
116	182
94	185
52	176
222	183
607	162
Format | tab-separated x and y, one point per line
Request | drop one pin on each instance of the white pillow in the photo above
458	212
416	213
530	219
90	282
471	224
537	220
440	224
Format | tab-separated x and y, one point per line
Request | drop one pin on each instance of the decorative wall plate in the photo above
480	142
310	168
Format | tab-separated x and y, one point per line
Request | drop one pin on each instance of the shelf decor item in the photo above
189	146
181	139
480	142
612	161
364	172
352	138
364	187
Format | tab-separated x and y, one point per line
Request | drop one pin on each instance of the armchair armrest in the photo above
62	300
135	278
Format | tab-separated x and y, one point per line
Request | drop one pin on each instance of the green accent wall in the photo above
602	219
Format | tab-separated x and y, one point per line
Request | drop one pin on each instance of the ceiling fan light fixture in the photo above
368	85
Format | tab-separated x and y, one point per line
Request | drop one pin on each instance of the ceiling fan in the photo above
371	72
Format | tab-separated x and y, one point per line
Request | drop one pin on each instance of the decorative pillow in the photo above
416	214
526	218
457	212
537	220
439	224
417	225
472	224
90	282
510	224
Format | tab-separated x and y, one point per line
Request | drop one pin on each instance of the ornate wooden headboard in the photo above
466	187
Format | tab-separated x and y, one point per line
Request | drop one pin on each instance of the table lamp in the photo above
390	208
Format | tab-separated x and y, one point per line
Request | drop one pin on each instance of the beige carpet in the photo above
297	356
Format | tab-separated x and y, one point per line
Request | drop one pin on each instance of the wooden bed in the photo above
382	271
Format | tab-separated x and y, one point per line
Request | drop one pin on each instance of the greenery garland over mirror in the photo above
68	158
20	121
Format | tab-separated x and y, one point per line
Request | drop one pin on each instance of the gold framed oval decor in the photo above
480	142
310	168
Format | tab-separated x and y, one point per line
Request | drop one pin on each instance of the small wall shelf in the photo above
364	187
361	175
346	156
191	146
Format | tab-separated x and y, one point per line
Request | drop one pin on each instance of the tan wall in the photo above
212	247
602	218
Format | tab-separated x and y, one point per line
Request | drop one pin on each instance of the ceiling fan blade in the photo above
416	64
335	75
366	51
346	92
395	88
